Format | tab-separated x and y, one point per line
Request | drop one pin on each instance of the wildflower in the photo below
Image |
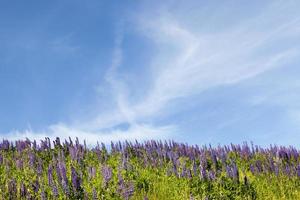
211	175
54	190
92	172
252	169
50	175
258	164
36	186
107	174
43	195
31	158
39	167
195	169
73	153
64	180
23	190
75	179
128	191
229	172
12	188
298	171
235	172
19	163
203	172
58	174
5	145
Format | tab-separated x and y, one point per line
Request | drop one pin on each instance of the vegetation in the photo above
149	170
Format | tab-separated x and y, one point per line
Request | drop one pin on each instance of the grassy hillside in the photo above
149	170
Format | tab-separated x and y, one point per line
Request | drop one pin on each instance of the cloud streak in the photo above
205	61
139	132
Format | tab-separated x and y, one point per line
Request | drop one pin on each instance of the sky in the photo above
198	72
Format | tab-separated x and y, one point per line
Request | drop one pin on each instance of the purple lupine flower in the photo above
12	188
175	170
43	195
23	190
54	190
112	147
34	145
5	145
31	156
229	172
43	145
203	172
295	154
58	174
95	196
259	166
19	163
235	172
63	174
128	191
107	174
287	170
298	170
48	143
77	142
252	169
57	142
183	172
283	155
121	184
214	158
50	175
92	172
36	186
72	151
195	169
212	175
76	182
39	167
71	142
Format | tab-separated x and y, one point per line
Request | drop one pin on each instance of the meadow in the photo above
146	170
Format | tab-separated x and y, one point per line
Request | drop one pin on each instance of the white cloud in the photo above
136	132
190	61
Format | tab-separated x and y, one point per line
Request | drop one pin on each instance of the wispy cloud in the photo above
204	61
136	132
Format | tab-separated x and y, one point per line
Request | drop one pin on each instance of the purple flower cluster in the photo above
61	165
107	174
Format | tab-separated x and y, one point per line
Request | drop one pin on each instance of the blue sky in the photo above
193	71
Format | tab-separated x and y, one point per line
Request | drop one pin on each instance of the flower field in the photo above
148	170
